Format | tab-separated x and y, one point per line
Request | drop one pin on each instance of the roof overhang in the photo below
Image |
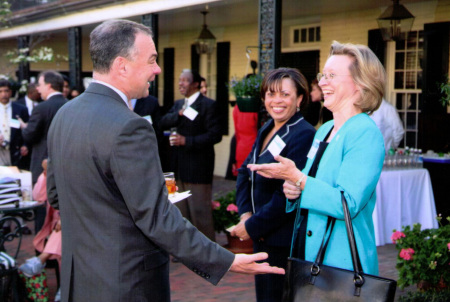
89	15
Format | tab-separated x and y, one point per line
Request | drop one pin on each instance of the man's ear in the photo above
119	65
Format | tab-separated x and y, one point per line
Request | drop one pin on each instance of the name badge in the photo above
13	123
149	119
190	113
315	146
276	146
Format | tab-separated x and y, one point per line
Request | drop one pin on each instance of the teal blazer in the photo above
351	163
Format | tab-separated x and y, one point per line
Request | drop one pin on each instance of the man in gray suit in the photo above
105	177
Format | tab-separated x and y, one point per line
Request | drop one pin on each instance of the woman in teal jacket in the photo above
346	156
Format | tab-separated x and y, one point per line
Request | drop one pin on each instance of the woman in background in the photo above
316	114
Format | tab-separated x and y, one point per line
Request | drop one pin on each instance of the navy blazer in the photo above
264	197
196	158
148	106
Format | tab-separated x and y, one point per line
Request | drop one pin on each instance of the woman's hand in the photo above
284	169
57	227
240	231
291	190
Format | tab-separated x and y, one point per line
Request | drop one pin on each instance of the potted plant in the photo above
445	91
424	260
247	92
225	215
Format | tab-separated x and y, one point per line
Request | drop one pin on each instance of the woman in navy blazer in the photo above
346	156
261	201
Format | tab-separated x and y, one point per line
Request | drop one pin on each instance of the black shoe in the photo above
26	230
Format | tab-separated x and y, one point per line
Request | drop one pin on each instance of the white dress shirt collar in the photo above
122	95
30	104
192	98
133	103
7	106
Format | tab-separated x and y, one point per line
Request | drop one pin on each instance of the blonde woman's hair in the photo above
367	72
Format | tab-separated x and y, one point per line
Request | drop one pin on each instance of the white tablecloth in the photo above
404	197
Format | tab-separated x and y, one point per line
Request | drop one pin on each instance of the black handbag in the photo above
313	281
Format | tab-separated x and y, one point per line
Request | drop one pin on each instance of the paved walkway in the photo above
188	287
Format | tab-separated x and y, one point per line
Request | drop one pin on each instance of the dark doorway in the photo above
305	61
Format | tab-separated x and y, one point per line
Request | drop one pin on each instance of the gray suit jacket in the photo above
117	223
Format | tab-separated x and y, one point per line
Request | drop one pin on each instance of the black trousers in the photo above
269	287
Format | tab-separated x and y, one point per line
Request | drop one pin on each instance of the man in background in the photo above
50	86
198	130
12	147
66	87
30	100
111	193
387	119
13	151
148	107
203	87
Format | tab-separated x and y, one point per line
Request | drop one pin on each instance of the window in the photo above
408	84
302	35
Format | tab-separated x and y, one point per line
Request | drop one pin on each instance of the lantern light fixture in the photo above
395	22
206	41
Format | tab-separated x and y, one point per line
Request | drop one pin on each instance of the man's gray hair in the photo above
111	39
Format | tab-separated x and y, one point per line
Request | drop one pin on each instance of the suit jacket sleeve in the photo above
170	119
25	116
133	166
213	133
156	118
52	194
22	112
35	128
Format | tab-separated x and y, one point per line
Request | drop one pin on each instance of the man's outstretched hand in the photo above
246	264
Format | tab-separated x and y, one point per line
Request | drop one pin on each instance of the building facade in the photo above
306	30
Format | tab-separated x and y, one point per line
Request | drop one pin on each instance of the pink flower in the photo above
232	208
396	236
448	245
407	253
215	204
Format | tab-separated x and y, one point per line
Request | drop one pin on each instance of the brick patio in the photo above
188	287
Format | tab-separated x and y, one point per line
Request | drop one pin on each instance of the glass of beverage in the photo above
170	182
173	132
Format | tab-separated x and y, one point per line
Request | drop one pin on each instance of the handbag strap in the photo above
357	268
323	246
315	267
